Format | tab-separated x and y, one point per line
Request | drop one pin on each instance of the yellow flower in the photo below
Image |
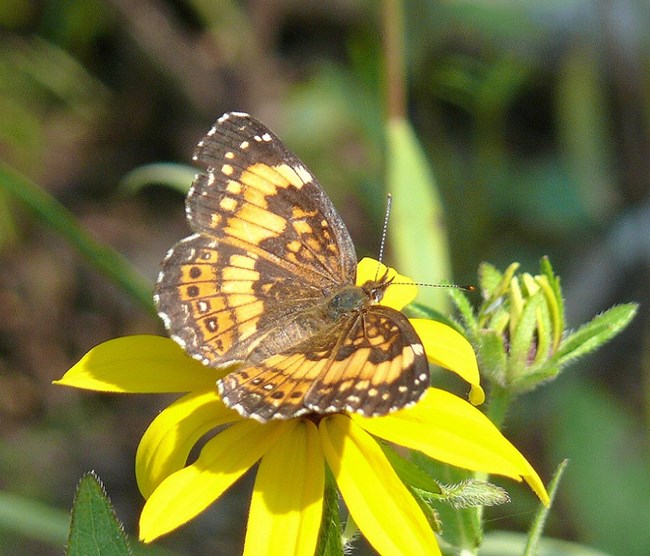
287	502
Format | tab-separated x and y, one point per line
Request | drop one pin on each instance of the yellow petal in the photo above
139	365
188	492
287	502
449	349
380	504
398	295
447	428
167	442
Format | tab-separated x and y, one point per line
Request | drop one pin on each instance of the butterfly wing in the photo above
268	245
371	362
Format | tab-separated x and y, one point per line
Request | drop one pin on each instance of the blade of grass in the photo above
106	260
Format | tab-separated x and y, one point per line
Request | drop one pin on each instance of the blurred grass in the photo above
534	119
106	260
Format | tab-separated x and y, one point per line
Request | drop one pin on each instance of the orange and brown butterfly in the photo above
267	284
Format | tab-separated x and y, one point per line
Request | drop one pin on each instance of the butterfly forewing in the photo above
220	301
258	195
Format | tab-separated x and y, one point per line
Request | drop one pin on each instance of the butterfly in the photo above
266	286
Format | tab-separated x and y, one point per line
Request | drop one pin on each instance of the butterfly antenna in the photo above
384	232
466	287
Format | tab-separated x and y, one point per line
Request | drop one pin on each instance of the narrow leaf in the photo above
410	472
537	528
417	230
596	332
175	176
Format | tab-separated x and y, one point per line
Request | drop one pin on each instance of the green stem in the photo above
394	57
330	537
496	411
498	405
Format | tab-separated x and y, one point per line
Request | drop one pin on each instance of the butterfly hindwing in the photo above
371	363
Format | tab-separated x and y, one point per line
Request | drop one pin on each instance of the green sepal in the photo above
492	356
494	285
462	528
94	528
522	338
489	278
466	312
550	284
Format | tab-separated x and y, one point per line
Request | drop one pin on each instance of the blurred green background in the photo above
535	117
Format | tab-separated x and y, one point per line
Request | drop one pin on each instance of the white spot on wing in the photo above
303	174
417	349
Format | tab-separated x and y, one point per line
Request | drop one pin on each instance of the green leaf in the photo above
417	231
537	527
174	176
103	258
410	472
596	332
94	529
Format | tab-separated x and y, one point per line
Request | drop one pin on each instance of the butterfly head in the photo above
375	289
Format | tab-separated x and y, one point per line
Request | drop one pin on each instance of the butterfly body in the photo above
266	284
